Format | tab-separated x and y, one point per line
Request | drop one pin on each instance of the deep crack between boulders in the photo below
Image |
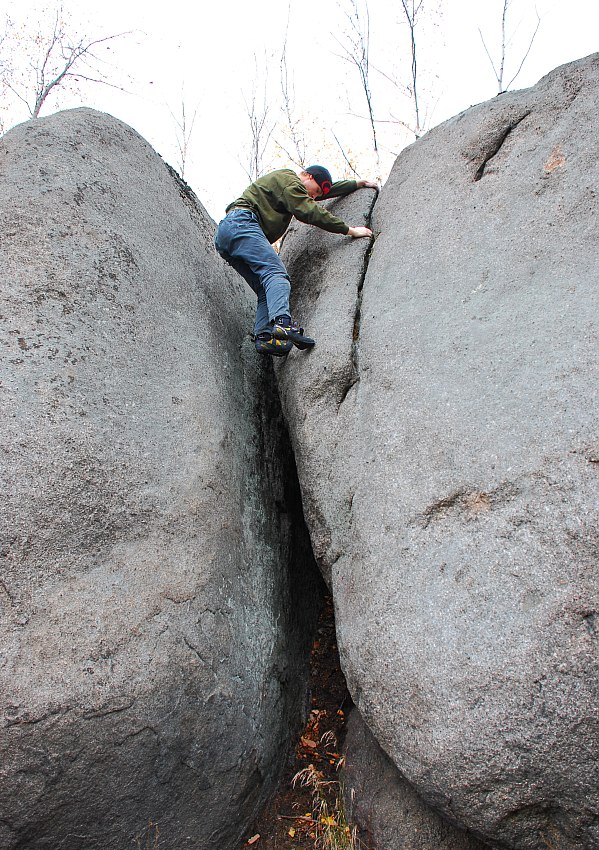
354	352
287	821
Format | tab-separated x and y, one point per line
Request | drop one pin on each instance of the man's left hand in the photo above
367	184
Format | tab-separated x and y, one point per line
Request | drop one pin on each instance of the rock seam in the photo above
354	354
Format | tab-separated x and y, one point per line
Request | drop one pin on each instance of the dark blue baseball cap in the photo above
322	177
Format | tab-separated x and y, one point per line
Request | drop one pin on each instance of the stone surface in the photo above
155	580
327	274
452	491
389	813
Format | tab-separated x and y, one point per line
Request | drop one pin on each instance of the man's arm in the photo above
345	187
340	188
304	208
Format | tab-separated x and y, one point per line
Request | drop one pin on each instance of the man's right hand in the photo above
358	232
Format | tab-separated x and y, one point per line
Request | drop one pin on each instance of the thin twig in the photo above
296	817
344	155
488	54
534	35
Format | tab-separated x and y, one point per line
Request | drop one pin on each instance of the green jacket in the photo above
280	195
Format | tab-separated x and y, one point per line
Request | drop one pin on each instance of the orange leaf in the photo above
254	838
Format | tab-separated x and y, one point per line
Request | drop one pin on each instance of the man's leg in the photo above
241	241
253	281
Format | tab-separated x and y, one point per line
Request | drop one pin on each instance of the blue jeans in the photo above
241	242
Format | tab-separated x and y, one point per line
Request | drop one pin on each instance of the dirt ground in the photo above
290	821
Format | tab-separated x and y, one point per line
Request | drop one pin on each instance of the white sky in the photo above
209	51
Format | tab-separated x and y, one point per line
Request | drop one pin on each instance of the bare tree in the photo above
408	84
499	68
260	123
184	129
4	65
62	60
295	146
356	51
411	10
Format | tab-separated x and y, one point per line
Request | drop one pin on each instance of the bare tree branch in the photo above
183	133
394	82
11	88
534	35
411	10
77	76
61	59
290	156
488	54
356	50
503	49
71	54
506	3
344	155
292	123
261	127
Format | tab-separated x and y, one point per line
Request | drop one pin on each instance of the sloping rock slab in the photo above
454	489
154	590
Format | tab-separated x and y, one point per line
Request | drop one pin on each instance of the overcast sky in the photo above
211	53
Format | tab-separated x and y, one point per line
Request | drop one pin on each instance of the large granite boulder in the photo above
450	468
390	814
155	587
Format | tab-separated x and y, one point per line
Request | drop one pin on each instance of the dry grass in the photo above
148	839
329	828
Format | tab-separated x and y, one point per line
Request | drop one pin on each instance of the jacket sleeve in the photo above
341	188
302	206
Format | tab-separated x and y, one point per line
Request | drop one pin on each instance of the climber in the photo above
258	218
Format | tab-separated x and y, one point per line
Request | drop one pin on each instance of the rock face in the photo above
392	815
448	453
327	273
154	573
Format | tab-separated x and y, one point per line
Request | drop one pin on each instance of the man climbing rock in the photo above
258	218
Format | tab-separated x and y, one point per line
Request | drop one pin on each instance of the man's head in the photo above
317	180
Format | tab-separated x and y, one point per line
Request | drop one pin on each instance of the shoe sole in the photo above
301	342
280	351
273	353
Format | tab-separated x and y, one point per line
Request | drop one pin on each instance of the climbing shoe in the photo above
285	329
266	343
